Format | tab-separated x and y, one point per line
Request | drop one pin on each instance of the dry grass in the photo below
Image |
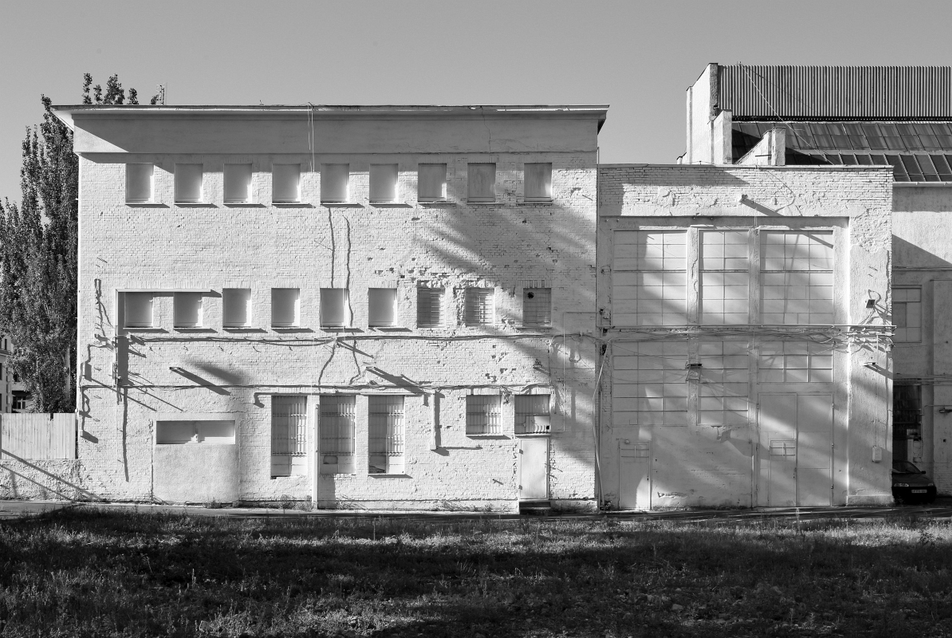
84	573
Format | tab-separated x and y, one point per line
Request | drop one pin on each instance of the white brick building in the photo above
365	307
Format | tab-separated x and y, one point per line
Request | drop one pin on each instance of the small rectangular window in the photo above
285	307
334	183
337	434
137	309
383	183
481	183
483	414
537	306
285	183
139	183
385	444
237	183
188	183
532	414
538	182
478	304
288	436
429	307
335	308
382	304
236	307
907	314
187	310
431	182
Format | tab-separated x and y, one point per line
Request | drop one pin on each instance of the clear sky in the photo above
636	56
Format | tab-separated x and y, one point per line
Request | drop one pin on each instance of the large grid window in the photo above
537	306
795	362
429	307
288	435
483	414
907	314
383	183
431	182
337	434
796	277
188	183
478	306
385	445
649	280
532	414
725	379
725	277
139	181
481	183
651	382
538	182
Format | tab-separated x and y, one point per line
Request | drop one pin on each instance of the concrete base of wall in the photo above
196	473
506	507
870	499
54	479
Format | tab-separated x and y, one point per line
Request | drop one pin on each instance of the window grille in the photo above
431	182
386	435
481	183
337	434
532	414
725	383
285	183
429	307
538	182
483	414
383	183
137	308
288	435
796	277
478	306
795	362
537	306
725	277
188	183
334	183
907	314
236	307
237	183
139	183
649	283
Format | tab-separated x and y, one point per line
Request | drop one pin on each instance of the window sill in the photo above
291	205
436	203
388	329
243	205
390	205
146	205
339	329
531	435
195	205
386	475
483	203
488	436
146	330
529	327
241	329
341	205
289	329
187	329
540	202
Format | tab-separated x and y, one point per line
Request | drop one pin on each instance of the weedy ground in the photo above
89	573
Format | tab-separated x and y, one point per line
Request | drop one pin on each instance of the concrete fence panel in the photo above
38	436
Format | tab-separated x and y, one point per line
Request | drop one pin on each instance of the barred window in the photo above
532	414
483	414
288	435
478	304
386	435
429	307
337	434
537	306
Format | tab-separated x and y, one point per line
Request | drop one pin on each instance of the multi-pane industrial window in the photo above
796	277
532	414
538	182
383	183
288	435
237	183
537	306
724	382
385	449
478	306
335	308
429	307
651	382
137	310
907	314
334	183
139	183
431	182
795	362
188	183
236	307
285	307
337	434
187	310
382	307
649	278
285	183
481	183
483	414
725	277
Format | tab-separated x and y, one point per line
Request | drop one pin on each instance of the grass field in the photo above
87	573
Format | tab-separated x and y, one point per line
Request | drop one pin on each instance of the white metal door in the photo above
634	486
534	468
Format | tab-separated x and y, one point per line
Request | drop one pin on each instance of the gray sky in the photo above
637	56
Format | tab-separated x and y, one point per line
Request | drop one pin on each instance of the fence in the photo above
38	436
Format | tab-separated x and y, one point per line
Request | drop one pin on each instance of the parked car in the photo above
910	484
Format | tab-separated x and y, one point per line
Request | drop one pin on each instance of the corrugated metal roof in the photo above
835	92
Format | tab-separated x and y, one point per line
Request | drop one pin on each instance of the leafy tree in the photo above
38	267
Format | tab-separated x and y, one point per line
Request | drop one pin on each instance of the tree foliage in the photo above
38	249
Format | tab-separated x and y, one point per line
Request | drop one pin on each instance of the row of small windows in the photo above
335	308
386	430
335	183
